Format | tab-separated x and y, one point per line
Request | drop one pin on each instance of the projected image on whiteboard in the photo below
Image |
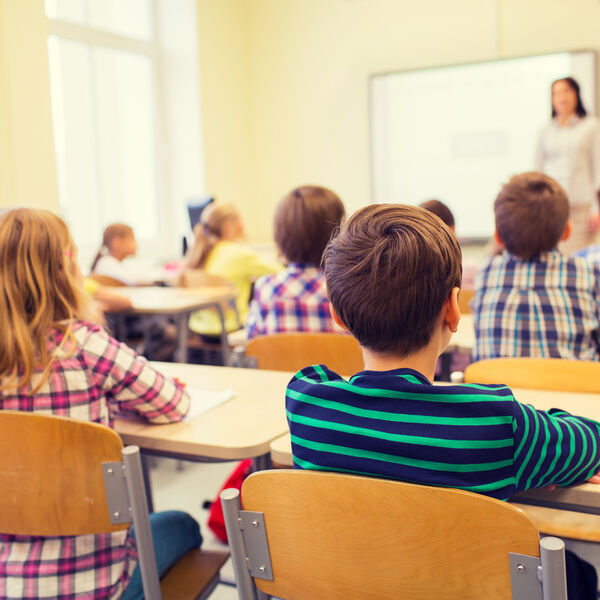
458	133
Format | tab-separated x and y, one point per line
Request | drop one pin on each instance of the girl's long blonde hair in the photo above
208	233
42	290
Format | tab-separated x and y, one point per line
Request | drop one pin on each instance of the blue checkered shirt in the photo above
292	300
548	306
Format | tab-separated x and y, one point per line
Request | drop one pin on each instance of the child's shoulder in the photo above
398	382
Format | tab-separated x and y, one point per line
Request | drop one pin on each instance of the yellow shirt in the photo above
241	266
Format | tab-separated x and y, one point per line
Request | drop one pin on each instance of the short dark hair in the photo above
579	109
439	209
531	212
304	221
389	271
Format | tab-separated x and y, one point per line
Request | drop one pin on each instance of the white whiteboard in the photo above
458	133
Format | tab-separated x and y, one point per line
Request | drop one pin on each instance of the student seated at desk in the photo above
218	249
295	299
118	243
393	275
532	300
53	360
159	336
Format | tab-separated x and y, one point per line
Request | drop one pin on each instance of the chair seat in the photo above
197	571
561	523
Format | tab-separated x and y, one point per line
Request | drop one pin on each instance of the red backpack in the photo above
216	521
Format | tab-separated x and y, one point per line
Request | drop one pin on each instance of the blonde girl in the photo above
55	361
218	250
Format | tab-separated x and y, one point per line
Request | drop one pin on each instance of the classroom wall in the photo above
303	69
27	160
283	85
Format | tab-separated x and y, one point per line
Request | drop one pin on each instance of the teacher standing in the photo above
569	151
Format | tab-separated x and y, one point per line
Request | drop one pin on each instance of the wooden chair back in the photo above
106	280
336	536
464	297
294	351
200	278
537	373
50	486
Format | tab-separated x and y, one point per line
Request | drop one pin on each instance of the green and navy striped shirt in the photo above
396	424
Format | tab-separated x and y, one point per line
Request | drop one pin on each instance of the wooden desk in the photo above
580	498
178	303
242	427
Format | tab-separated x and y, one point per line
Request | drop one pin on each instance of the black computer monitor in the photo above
196	207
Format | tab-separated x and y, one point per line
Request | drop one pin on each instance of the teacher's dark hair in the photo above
579	109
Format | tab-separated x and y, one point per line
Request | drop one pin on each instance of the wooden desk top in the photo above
173	300
584	497
242	427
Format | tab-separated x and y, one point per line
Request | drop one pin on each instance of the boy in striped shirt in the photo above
393	276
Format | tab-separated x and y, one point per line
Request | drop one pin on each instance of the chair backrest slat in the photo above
294	351
50	486
537	373
340	536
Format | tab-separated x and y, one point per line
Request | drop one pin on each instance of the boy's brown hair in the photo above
304	221
531	212
389	271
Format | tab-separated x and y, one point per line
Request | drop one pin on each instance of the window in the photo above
127	144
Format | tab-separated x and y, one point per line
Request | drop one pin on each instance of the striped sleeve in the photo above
553	447
129	382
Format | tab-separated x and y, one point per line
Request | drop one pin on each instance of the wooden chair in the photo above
537	373
546	374
62	477
294	351
106	280
329	536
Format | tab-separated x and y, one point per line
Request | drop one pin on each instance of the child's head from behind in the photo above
304	221
222	221
532	213
439	209
389	272
41	283
38	263
119	240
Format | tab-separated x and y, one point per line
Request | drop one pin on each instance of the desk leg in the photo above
181	354
147	482
224	341
261	463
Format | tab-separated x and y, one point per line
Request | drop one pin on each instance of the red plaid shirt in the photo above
100	377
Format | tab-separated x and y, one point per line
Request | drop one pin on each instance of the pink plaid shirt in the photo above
100	377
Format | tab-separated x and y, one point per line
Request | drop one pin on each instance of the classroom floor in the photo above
185	486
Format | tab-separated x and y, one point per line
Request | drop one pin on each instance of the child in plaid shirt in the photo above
295	299
531	300
53	360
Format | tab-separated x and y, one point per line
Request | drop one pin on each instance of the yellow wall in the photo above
303	68
283	84
27	161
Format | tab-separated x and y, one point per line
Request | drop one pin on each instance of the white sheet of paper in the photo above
204	400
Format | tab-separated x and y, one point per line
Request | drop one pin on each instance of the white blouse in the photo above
571	155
